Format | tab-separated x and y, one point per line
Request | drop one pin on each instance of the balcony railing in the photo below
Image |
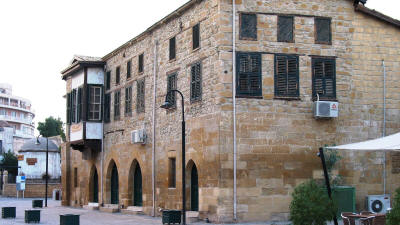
16	119
16	106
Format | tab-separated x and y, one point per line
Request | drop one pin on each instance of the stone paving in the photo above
51	215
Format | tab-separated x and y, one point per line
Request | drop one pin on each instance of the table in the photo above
380	218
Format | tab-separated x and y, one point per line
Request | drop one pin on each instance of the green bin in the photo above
37	203
8	212
171	216
32	216
69	219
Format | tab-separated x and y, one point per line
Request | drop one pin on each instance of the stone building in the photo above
247	151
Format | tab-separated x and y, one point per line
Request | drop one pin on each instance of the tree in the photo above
51	127
10	159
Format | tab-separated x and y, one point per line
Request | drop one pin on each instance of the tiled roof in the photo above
32	146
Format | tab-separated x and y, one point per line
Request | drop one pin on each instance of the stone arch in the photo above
94	184
112	183
192	186
135	184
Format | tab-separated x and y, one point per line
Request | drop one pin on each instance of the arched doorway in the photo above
137	187
95	181
114	185
192	186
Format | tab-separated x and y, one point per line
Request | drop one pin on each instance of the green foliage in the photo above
332	157
311	205
393	218
51	127
10	159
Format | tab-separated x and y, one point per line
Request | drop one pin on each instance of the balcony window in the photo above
94	103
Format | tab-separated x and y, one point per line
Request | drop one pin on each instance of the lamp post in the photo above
167	105
47	166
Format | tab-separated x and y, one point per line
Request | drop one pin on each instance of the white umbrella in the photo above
388	143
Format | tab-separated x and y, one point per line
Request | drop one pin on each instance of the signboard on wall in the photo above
20	183
31	161
20	157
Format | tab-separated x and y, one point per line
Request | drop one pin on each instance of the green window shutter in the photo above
73	106
196	82
116	105
196	36
324	78
69	108
128	69
286	76
140	104
172	48
117	75
171	85
79	108
248	78
285	28
140	67
323	33
128	101
107	102
108	80
248	26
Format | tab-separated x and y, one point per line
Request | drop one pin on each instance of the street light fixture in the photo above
167	105
47	165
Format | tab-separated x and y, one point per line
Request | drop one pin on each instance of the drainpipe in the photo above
384	124
153	158
101	161
234	106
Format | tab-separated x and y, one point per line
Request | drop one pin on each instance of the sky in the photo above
39	38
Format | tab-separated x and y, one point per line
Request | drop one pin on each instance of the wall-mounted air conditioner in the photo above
138	136
378	203
325	109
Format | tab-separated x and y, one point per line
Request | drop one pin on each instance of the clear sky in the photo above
38	38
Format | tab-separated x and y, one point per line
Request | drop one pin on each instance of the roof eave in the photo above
79	65
377	15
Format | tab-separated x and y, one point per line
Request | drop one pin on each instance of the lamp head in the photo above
167	104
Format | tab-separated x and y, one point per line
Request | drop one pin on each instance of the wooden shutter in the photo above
248	26
107	102
73	106
323	34
108	80
324	78
285	28
196	36
286	76
117	75
172	48
248	79
69	108
140	67
128	100
171	85
79	108
128	69
196	81
116	105
140	107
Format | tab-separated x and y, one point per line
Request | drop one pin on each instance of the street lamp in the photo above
167	105
47	165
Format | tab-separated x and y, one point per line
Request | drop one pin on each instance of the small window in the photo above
195	82
140	107
286	76
171	85
128	101
108	80
285	29
323	33
117	75
248	27
117	98
75	177
140	68
172	48
128	69
171	172
94	103
196	36
248	79
324	78
107	107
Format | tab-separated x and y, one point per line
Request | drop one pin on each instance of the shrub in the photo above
311	205
393	218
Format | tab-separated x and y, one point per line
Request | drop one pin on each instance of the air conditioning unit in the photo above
378	203
325	109
138	136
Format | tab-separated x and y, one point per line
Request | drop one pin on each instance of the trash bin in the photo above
171	216
8	212
37	203
32	215
69	219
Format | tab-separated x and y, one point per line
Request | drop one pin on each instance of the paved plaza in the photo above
51	215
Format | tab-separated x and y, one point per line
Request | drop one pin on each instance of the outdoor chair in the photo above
367	221
379	220
348	220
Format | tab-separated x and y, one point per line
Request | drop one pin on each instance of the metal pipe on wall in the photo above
234	107
384	124
153	163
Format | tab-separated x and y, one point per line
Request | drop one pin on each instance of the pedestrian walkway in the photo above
51	215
